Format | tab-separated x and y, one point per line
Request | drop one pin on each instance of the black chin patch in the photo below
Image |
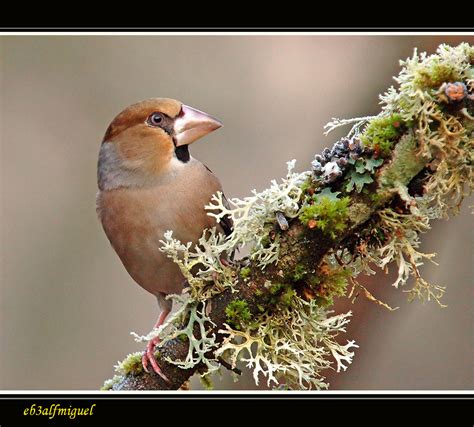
182	153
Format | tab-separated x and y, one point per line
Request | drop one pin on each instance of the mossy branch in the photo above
364	204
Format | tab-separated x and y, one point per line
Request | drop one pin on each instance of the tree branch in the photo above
410	174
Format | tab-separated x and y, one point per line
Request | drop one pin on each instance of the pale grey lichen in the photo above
199	346
402	248
193	315
254	216
212	275
421	74
296	344
296	341
438	135
108	384
169	326
356	123
308	325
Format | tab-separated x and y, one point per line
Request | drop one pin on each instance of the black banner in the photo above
215	409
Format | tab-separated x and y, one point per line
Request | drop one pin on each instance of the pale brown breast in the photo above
135	220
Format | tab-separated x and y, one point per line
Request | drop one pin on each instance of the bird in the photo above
148	184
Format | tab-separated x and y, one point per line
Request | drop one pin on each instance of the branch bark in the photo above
425	137
299	245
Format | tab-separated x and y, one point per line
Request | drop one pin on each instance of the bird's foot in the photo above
149	357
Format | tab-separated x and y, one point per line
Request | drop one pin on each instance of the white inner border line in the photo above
290	33
270	393
236	33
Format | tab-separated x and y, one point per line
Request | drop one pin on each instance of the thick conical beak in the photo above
193	124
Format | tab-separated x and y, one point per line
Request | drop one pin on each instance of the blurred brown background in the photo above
67	304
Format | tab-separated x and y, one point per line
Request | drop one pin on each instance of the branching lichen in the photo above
367	200
201	264
403	241
295	343
443	139
190	323
199	344
254	216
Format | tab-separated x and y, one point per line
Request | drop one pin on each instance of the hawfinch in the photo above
148	184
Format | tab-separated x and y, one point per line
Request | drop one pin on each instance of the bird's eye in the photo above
156	119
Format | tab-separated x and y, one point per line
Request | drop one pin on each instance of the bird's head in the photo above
144	140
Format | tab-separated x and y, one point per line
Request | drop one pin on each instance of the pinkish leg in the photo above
225	262
149	355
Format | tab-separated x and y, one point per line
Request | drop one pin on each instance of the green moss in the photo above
330	284
381	133
245	272
281	294
376	198
287	297
254	325
435	74
275	288
258	293
307	185
299	273
329	215
183	337
238	313
265	241
132	364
